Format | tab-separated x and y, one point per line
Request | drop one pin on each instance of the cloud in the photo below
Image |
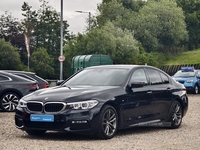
77	21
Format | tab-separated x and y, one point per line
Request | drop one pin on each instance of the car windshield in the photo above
98	77
184	74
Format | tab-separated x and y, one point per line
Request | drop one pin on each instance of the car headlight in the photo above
190	81
22	103
83	105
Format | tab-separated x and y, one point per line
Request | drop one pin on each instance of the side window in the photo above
198	73
3	78
139	76
154	76
165	79
24	76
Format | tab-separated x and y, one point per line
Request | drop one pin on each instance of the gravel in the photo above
186	137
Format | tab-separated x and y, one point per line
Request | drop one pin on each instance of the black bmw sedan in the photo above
100	100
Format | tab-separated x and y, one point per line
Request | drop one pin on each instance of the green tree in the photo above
116	13
42	63
192	17
44	25
109	11
10	31
134	5
160	26
107	40
48	29
30	21
9	26
9	57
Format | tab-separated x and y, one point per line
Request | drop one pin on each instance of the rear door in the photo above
3	79
162	92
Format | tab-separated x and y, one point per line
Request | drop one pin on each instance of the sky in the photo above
77	21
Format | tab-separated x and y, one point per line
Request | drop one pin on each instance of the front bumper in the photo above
72	121
190	89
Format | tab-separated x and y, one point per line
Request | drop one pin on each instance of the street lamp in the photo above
61	40
89	18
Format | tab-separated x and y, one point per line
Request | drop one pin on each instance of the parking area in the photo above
186	137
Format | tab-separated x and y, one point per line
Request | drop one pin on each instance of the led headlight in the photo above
190	81
22	103
83	105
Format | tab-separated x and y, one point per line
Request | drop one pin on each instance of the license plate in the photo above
42	118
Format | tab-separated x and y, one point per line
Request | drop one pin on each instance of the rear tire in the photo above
9	101
176	115
108	122
35	132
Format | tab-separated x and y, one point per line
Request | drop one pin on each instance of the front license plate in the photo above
42	118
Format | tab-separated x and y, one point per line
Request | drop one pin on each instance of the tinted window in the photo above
99	77
3	78
165	79
198	74
184	74
154	76
139	76
24	76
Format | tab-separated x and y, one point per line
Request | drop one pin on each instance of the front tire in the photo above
196	89
108	122
176	115
9	101
36	132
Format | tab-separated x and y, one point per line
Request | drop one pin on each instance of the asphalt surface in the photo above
147	138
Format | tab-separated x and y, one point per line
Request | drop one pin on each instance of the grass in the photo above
189	57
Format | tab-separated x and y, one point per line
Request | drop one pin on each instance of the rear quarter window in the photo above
3	78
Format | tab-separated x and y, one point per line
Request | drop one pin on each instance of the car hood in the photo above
72	94
184	79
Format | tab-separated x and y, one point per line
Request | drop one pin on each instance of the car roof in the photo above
15	77
125	66
31	75
17	71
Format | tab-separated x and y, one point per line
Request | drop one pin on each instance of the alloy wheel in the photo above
109	122
177	115
9	101
196	89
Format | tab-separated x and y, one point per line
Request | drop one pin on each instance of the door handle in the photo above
149	92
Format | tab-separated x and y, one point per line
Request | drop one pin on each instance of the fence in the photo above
172	69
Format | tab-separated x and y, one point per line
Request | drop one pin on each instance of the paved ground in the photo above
186	137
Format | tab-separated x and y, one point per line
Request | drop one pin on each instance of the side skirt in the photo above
153	123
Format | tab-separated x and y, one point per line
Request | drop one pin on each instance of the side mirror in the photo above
137	84
59	82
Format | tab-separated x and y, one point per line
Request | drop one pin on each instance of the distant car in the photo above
12	88
100	100
190	78
42	83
